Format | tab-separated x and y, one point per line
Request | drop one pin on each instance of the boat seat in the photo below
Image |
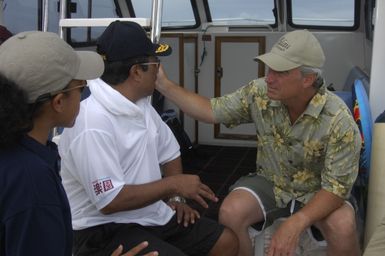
309	244
354	74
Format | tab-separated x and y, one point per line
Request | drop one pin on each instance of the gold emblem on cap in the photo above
162	48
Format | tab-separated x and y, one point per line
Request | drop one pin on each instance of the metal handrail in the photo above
63	12
155	23
45	15
99	22
156	20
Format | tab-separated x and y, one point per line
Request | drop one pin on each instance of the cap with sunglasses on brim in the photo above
42	62
124	40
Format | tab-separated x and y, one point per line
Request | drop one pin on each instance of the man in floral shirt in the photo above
308	149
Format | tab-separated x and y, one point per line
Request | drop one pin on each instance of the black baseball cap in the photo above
124	40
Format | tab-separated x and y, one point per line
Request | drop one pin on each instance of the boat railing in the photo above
154	22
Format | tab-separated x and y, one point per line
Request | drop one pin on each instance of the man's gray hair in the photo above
305	70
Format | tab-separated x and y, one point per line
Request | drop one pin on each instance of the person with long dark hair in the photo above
41	79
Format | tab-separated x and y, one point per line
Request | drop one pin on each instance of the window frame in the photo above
209	17
194	7
38	22
355	26
369	8
89	42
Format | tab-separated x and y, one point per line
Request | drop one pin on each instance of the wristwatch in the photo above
177	199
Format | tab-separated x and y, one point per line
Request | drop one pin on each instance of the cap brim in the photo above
277	62
162	50
91	65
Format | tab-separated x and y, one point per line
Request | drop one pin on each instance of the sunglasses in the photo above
49	95
156	62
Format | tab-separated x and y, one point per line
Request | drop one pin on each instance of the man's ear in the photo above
309	80
57	102
136	72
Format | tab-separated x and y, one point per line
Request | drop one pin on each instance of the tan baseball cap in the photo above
294	49
41	62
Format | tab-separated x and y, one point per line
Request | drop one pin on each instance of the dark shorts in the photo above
262	189
172	239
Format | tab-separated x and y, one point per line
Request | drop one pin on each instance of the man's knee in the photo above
238	208
340	223
227	211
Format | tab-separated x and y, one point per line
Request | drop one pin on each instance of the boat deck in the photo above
218	167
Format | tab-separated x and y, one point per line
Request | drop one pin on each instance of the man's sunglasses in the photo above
155	62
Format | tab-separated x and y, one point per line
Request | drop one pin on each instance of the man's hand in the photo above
161	78
134	251
190	186
184	213
285	239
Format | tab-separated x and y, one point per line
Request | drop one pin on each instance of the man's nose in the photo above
269	77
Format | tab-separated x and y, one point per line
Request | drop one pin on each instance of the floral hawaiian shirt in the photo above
320	149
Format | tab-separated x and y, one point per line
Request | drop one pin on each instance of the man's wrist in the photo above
302	220
177	199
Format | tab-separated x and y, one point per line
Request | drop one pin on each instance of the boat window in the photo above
241	12
90	9
328	13
13	10
176	13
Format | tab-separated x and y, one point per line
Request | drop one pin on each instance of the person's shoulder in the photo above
259	82
254	85
13	157
24	175
92	116
337	108
336	103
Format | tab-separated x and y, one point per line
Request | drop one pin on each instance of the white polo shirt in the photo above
114	142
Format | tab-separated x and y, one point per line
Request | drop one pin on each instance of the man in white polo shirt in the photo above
111	162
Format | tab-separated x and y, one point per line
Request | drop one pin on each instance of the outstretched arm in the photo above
194	105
